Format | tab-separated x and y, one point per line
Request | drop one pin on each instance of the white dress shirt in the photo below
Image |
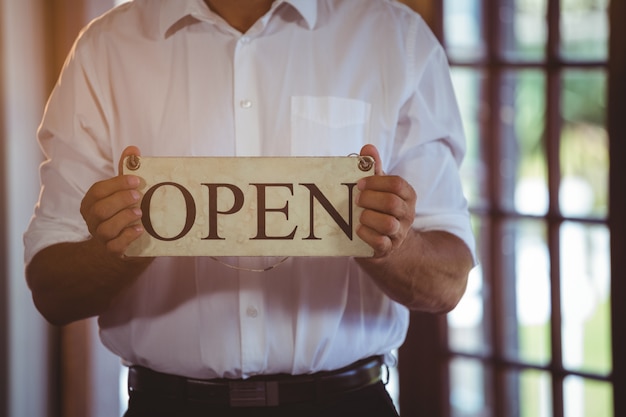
310	78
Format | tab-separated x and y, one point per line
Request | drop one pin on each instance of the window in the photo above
533	334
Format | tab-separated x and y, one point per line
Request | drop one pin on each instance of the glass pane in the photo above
528	304
585	297
467	86
523	29
584	145
463	29
468	388
584	29
522	116
530	394
585	397
467	323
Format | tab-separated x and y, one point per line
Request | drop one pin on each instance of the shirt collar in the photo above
307	9
174	11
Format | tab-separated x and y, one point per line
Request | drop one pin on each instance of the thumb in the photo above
370	150
130	150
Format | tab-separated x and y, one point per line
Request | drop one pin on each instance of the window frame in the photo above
424	358
617	202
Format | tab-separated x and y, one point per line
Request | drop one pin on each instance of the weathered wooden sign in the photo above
249	206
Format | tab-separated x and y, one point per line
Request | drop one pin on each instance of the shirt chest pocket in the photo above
328	126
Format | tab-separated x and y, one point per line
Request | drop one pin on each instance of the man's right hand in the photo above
111	210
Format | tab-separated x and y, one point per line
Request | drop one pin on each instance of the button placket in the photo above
251	320
247	125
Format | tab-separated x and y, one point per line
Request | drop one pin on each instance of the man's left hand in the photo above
389	208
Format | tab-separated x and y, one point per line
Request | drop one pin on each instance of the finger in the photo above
120	191
371	150
108	207
113	226
382	224
388	184
387	205
124	239
128	151
107	188
381	244
383	202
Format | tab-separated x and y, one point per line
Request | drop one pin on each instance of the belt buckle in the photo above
253	393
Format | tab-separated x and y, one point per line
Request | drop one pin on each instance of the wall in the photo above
26	335
46	371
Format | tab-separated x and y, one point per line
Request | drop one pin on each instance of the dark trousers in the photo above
371	401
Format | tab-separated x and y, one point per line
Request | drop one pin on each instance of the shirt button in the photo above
245	104
244	39
252	312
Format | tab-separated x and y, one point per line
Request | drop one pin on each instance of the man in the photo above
252	78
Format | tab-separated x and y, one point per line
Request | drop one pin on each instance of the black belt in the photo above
257	391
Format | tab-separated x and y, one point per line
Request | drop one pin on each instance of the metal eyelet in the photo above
133	162
366	163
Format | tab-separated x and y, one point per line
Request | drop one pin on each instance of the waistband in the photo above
257	391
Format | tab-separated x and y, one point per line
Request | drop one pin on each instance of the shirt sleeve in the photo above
429	145
72	136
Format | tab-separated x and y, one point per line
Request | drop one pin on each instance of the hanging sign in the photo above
249	206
